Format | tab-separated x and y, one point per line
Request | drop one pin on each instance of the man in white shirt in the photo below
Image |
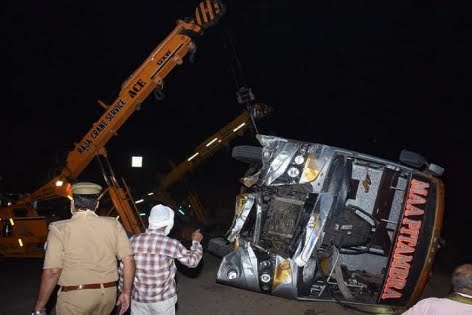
457	303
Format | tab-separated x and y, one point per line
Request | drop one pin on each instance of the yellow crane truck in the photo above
23	232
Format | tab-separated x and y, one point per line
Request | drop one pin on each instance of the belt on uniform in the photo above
459	298
88	286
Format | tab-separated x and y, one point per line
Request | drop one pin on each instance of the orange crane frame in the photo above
146	79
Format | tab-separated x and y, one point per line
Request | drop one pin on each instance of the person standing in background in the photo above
457	303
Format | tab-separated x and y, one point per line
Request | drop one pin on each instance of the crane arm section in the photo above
206	149
148	77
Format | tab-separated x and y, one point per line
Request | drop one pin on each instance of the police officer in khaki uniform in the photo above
81	257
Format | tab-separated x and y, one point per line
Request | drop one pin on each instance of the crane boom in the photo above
27	237
206	149
147	78
236	127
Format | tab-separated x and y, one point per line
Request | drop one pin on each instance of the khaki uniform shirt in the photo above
86	247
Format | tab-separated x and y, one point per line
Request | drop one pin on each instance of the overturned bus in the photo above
316	222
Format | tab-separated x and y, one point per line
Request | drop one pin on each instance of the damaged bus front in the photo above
316	222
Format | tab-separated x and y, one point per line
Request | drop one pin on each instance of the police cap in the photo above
86	188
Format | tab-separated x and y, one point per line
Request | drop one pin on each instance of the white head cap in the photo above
161	216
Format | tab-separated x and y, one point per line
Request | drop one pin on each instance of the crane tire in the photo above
247	154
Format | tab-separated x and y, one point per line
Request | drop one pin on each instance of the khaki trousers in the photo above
86	302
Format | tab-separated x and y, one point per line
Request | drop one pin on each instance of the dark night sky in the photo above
373	76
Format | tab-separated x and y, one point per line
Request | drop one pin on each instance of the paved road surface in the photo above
199	295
